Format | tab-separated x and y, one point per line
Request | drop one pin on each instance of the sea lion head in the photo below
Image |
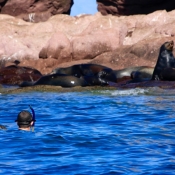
168	45
165	60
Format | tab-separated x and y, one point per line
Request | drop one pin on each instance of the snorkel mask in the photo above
33	117
25	118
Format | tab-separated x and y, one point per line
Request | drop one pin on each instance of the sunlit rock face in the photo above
63	40
35	10
131	7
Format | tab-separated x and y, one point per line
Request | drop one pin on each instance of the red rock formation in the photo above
115	42
131	7
35	10
41	10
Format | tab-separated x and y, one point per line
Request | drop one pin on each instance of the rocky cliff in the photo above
35	10
41	10
116	42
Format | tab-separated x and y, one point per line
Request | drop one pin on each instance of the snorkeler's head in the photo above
24	119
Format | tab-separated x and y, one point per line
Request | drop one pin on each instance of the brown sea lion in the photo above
165	66
142	74
15	75
57	80
94	74
137	73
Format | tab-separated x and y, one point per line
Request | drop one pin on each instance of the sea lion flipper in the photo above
101	77
26	83
106	75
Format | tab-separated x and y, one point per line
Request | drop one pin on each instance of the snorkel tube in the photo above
33	117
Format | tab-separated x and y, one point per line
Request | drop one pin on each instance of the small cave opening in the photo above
84	7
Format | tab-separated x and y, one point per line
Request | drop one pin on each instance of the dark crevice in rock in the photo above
131	7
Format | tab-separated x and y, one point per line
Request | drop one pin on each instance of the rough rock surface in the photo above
161	87
35	10
131	7
115	42
146	84
41	10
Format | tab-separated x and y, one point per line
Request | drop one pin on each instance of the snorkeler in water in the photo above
25	120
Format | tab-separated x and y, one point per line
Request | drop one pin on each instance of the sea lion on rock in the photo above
15	75
168	74
101	79
142	74
136	73
94	74
165	66
57	80
72	70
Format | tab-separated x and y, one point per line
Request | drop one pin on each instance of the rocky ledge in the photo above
159	88
115	42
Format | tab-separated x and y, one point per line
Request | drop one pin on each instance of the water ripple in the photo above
95	132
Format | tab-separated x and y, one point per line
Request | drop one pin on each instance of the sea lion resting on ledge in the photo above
57	80
91	72
164	69
91	75
135	74
77	75
165	66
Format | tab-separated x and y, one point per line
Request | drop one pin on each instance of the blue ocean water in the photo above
103	132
